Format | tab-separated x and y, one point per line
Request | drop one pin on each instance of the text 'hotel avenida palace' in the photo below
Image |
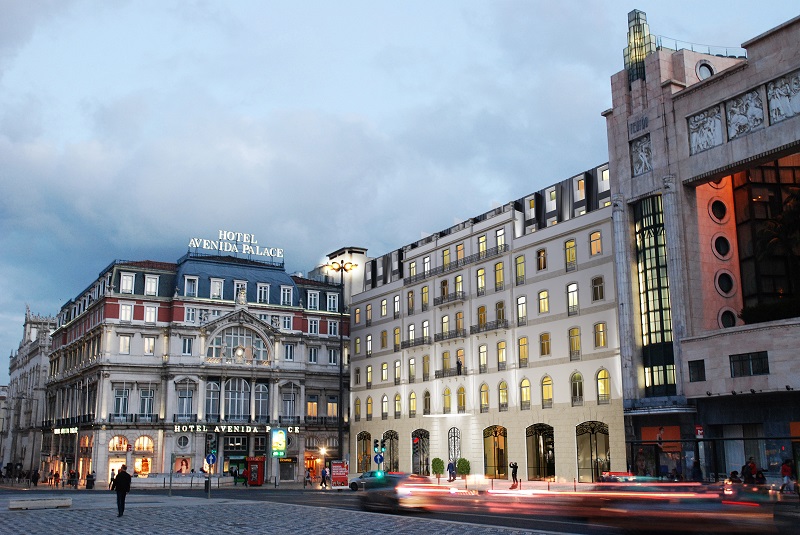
641	315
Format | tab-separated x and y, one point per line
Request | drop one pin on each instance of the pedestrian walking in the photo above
451	471
246	476
35	478
122	485
110	481
324	479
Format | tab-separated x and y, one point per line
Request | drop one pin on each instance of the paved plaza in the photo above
96	512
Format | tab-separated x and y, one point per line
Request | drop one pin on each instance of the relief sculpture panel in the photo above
744	113
783	96
705	130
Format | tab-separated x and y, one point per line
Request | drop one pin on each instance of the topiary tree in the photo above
437	466
462	467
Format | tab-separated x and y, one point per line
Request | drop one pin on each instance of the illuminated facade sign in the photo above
202	428
236	242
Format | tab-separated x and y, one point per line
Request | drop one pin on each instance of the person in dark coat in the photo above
122	485
35	478
514	467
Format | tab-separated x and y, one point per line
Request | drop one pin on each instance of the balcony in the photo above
572	310
289	420
547	403
574	354
120	418
449	298
425	307
501	366
456	264
146	418
525	405
522	321
572	265
520	280
488	326
498	287
397	347
603	399
503	407
523	362
577	401
414	342
328	421
450	335
212	418
398	415
484	408
412	413
450	372
482	368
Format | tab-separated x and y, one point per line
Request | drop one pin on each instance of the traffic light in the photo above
211	443
383	445
375	446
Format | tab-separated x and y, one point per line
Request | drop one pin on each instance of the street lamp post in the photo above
341	267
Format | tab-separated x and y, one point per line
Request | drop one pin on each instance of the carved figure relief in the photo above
641	155
705	130
783	96
744	114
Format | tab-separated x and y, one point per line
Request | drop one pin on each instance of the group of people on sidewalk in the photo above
752	475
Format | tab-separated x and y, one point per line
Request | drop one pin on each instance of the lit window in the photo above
595	244
126	283
151	285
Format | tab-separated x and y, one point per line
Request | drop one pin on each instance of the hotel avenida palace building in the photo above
158	364
495	340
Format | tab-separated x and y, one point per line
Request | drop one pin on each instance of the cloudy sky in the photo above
129	127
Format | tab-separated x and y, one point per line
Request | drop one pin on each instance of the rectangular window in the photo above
240	287
313	353
288	352
190	287
446	258
541	260
151	285
313	300
519	264
333	302
383	307
412	269
186	346
126	312
595	244
262	293
426	265
544	344
185	403
500	237
481	281
544	302
570	255
125	344
150	314
216	289
313	326
747	364
121	401
697	371
482	246
333	328
126	283
286	295
312	406
333	356
146	402
460	252
333	406
286	323
600	335
149	345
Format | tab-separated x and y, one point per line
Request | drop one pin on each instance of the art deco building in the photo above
495	340
158	364
24	408
704	152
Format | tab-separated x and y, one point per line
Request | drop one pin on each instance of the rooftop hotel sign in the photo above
236	242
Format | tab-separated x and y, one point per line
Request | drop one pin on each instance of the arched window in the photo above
459	321
501	355
238	342
462	400
118	443
212	401
576	382
453	444
237	399
484	397
396	338
503	396
525	395
498	276
544	302
446	401
603	387
500	311
262	403
385	371
384	339
369	408
357	410
426	367
384	407
398	406
575	343
363	451
547	392
412	405
600	335
143	443
426	403
483	353
481	316
572	299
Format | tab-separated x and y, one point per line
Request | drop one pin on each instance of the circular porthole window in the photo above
721	247
183	441
727	319
724	283
718	211
704	70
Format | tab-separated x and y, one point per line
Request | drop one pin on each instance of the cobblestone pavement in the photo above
96	512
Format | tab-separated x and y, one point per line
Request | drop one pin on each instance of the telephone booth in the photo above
257	467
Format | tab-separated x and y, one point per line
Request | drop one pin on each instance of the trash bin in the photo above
89	482
207	484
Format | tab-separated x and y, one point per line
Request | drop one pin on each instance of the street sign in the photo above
211	459
379	458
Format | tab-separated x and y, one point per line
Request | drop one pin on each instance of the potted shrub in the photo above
437	466
462	468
